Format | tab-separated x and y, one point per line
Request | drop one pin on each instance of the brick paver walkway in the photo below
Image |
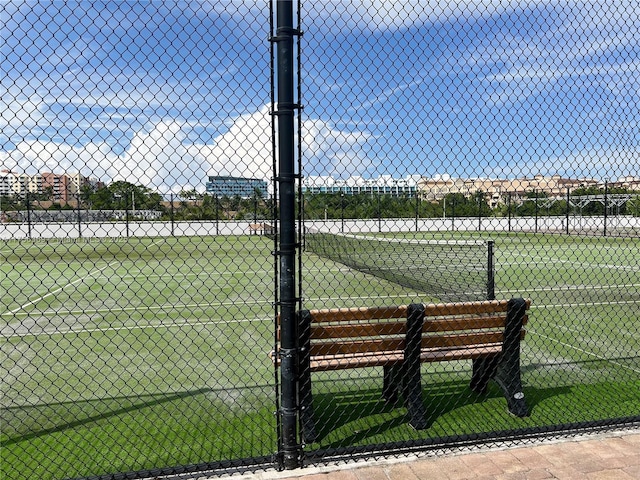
610	456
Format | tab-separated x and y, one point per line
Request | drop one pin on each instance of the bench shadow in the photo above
98	410
372	416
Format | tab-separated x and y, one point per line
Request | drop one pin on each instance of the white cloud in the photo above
244	150
375	15
602	163
159	157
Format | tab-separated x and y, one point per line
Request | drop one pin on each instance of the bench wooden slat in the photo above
464	308
464	339
464	323
478	351
343	362
358	330
460	340
361	346
361	360
346	349
357	313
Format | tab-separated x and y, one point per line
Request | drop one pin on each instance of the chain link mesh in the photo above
139	211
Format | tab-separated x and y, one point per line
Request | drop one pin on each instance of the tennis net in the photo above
447	270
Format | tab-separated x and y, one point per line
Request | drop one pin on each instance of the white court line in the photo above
77	331
573	262
174	307
586	352
588	304
140	308
60	289
566	288
269	319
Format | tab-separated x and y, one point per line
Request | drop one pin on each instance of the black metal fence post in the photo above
291	448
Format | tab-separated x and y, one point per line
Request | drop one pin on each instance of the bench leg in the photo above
305	397
507	374
411	384
484	369
390	384
308	423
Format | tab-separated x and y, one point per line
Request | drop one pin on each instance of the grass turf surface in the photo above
132	355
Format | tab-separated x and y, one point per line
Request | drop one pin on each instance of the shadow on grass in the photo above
368	416
99	410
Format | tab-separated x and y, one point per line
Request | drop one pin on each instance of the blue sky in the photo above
166	93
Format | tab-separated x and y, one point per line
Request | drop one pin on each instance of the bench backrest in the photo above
345	331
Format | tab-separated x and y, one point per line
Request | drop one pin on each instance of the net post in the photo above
491	274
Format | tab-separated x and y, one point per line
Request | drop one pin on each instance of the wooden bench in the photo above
400	338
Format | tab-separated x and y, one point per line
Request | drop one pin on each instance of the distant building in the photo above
497	191
383	185
61	188
236	186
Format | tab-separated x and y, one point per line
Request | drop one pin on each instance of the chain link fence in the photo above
162	238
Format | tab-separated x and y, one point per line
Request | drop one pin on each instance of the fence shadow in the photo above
96	410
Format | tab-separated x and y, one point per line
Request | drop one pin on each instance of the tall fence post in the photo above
291	448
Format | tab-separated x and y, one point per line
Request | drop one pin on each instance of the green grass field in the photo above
130	355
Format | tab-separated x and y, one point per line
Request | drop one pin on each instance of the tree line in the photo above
194	205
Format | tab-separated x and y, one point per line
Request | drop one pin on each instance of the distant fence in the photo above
16	231
82	215
611	226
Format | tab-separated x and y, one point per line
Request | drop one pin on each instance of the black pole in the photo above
417	209
453	213
491	275
567	213
126	212
535	193
379	214
291	449
172	217
606	206
28	205
79	218
509	208
342	212
255	210
217	215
